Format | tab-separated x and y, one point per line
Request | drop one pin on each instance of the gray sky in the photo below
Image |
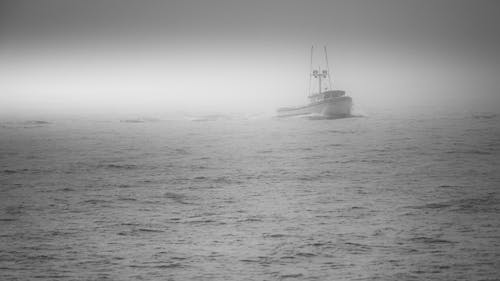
221	55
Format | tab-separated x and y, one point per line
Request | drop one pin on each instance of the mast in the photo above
319	81
311	70
328	67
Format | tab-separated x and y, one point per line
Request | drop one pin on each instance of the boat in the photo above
326	102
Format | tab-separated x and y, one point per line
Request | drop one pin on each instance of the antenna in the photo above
310	70
328	67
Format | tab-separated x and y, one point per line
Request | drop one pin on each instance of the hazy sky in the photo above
103	56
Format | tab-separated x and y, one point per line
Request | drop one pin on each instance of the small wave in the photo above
334	145
41	257
14	210
203	221
356	248
305	254
251	219
484	116
24	171
172	265
61	233
176	181
178	258
65	277
160	266
470	151
177	197
7	171
319	244
131	121
130	223
149	230
250	260
347	247
276	235
431	206
223	180
291	275
127	199
307	178
376	161
198	167
24	124
36	122
341	132
181	151
448	186
140	120
430	240
120	166
474	205
96	201
138	231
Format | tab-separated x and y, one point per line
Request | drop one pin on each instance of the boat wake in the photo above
316	116
323	117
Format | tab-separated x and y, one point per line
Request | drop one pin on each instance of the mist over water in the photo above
220	57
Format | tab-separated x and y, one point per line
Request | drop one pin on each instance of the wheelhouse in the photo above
327	95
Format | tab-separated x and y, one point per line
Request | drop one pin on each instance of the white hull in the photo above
334	108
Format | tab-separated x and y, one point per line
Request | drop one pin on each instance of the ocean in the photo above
383	197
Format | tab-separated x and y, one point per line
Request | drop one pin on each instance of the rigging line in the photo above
310	70
328	67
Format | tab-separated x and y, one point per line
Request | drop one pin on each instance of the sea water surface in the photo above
365	198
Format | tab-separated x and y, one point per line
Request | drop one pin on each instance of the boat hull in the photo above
333	108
